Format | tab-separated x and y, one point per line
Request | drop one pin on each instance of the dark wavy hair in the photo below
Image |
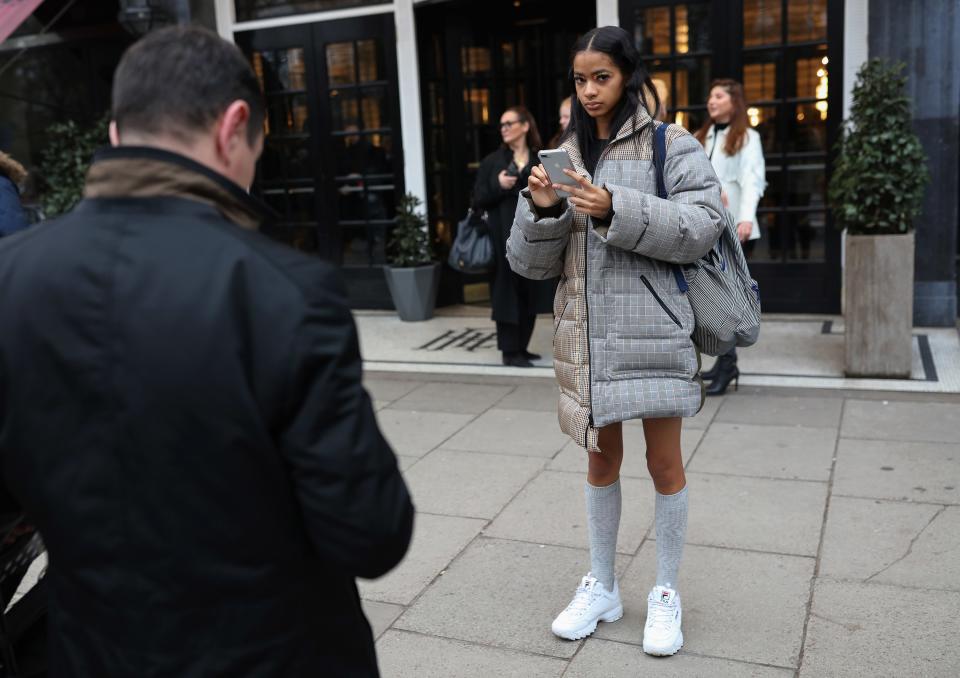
616	44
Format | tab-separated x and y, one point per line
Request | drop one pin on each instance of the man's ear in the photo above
114	133
232	129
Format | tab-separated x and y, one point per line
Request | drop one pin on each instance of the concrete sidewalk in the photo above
824	536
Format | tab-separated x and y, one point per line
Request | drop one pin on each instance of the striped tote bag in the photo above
724	298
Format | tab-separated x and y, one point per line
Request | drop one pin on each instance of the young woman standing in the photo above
516	300
622	348
736	152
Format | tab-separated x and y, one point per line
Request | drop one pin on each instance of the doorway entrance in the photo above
332	163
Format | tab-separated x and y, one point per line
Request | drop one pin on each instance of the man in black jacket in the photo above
181	408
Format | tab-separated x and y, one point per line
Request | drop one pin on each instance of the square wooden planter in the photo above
878	305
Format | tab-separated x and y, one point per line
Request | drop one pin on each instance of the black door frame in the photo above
366	286
790	287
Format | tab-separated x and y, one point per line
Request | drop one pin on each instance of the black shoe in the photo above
722	381
516	360
712	373
531	356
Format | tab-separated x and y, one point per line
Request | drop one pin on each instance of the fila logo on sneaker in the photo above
665	597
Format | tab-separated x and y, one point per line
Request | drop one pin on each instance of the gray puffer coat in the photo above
622	346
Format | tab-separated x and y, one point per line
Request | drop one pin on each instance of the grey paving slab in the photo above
782	516
881	469
815	411
934	559
541	395
736	604
411	655
504	594
451	397
414	434
606	659
878	630
467	483
503	431
380	615
897	420
791	452
573	458
388	390
552	510
405	461
436	541
865	536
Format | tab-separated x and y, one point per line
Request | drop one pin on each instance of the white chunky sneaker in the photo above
662	635
591	603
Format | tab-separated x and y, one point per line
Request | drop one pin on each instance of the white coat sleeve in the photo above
752	179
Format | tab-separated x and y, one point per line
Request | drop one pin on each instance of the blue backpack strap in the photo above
659	158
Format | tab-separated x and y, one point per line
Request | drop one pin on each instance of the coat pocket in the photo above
653	292
559	319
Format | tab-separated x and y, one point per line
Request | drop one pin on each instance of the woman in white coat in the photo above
736	152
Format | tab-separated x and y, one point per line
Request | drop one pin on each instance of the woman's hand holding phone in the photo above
594	201
541	190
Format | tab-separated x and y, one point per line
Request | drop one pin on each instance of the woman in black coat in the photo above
516	300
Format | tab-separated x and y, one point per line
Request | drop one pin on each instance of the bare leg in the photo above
664	460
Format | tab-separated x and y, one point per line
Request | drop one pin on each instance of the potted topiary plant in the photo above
875	192
413	275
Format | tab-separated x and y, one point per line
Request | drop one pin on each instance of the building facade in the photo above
368	100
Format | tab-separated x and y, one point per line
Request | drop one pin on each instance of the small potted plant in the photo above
876	192
413	275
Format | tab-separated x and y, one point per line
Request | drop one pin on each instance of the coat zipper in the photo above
660	301
560	318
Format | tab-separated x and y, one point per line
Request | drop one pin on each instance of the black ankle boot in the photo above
515	360
531	356
727	372
712	373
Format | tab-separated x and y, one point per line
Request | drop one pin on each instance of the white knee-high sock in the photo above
603	522
671	520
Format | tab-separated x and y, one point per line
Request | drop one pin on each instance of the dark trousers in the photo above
514	338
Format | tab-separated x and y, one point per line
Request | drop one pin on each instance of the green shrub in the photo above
409	243
880	172
65	160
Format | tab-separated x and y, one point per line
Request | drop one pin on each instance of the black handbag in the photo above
472	250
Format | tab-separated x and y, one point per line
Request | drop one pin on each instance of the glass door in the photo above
332	165
788	54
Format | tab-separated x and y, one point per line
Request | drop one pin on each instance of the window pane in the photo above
760	82
768	247
303	238
341	69
280	69
762	22
358	110
807	186
663	81
477	105
693	28
813	77
806	20
285	159
475	60
693	81
690	119
652	30
764	120
808	129
362	154
287	114
248	10
368	53
356	246
773	194
805	240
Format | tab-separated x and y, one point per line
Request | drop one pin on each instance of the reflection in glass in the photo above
287	114
764	120
806	20
808	132
285	159
280	70
805	240
359	154
474	60
690	119
693	81
812	77
368	57
363	109
652	33
807	186
773	194
248	10
760	82
341	69
477	104
767	248
693	28
303	238
762	22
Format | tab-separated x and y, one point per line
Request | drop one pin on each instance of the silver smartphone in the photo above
555	161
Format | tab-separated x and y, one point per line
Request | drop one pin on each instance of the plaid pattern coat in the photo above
622	346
